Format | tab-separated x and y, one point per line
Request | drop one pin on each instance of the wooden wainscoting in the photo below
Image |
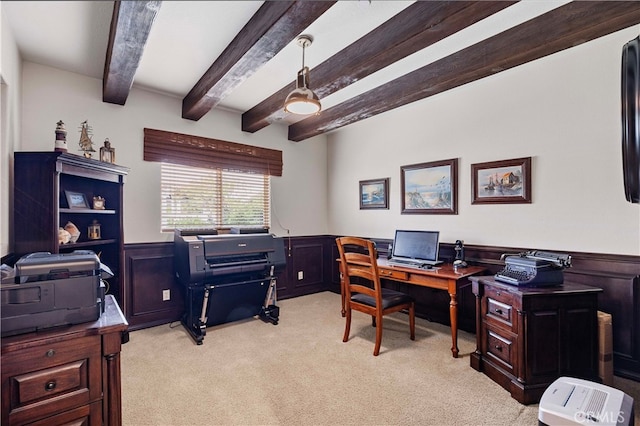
149	271
149	275
617	275
308	266
312	267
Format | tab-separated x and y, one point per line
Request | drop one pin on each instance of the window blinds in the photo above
196	198
210	183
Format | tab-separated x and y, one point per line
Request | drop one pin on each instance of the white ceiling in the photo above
187	37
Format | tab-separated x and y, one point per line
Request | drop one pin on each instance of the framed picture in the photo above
374	194
501	182
430	188
76	200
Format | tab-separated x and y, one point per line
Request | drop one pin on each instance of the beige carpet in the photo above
301	373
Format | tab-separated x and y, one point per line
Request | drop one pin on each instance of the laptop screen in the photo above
418	245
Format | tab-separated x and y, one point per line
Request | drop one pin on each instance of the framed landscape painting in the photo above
430	188
501	182
374	194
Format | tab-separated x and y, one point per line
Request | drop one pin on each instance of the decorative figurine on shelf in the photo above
73	231
94	231
86	144
63	236
61	137
107	154
98	203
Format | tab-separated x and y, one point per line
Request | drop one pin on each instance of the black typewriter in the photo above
534	268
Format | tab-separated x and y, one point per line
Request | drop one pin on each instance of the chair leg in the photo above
376	350
412	321
373	320
347	325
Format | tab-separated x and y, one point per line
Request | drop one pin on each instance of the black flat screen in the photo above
419	245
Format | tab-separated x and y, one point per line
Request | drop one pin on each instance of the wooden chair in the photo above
358	259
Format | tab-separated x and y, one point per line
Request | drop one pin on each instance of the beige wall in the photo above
10	85
562	110
299	196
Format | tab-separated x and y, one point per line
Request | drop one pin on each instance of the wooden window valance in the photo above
197	151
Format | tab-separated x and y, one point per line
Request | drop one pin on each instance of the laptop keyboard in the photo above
407	263
413	263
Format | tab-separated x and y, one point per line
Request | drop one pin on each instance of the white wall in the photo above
49	95
10	84
562	110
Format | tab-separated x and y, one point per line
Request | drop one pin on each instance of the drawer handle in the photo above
49	386
498	348
499	311
50	353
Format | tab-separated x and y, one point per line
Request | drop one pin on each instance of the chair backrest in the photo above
358	259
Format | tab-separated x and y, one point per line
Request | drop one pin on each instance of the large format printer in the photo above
227	277
46	290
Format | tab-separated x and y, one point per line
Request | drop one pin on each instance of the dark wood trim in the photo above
270	29
198	151
315	256
416	27
148	271
130	27
559	29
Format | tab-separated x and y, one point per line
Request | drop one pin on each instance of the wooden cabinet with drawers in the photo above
65	375
528	337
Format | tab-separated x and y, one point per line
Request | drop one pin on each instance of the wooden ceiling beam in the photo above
416	27
270	29
130	26
559	29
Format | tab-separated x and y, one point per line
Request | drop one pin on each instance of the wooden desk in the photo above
443	277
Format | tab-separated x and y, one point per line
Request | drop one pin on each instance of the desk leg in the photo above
453	316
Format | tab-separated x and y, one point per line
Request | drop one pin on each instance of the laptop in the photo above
416	248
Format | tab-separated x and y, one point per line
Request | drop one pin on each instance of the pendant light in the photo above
302	100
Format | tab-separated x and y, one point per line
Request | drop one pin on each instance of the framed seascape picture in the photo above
501	182
430	188
374	194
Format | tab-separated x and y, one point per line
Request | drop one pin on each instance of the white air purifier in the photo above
569	401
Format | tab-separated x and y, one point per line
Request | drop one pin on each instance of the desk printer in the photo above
51	290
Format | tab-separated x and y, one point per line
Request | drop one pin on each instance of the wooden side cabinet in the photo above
65	375
528	337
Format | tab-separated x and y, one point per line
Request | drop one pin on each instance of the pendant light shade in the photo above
302	100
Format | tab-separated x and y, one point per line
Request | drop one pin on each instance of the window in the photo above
211	183
194	197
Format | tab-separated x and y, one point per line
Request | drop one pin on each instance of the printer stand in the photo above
270	312
220	303
193	320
